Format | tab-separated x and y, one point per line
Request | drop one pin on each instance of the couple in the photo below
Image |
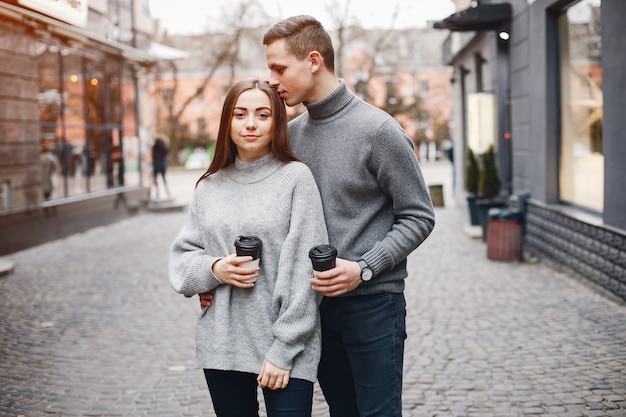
361	190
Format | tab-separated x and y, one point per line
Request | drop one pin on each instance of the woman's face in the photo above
252	125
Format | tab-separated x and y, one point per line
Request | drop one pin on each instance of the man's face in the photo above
291	77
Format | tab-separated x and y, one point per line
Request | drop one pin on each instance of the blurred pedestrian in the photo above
448	147
49	167
160	151
264	333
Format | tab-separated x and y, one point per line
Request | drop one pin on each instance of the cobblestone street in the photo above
91	327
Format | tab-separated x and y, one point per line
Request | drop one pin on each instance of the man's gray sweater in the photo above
278	319
376	203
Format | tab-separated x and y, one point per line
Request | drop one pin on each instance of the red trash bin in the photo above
504	236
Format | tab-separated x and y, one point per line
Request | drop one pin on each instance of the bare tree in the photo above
348	31
380	41
218	51
342	21
382	54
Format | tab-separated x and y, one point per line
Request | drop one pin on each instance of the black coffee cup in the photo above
323	257
248	246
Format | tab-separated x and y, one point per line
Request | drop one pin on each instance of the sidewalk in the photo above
90	327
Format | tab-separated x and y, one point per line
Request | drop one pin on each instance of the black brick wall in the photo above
593	252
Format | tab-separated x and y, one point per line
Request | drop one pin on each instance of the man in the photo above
377	210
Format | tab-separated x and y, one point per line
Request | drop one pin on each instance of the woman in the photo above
267	332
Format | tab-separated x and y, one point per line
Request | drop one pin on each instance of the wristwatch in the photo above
366	272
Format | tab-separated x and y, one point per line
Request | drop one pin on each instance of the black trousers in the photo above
234	394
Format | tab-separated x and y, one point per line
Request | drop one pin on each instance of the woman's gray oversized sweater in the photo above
278	319
376	202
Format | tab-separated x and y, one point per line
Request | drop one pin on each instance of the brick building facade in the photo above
71	155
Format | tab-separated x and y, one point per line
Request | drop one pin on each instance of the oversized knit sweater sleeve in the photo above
293	297
190	266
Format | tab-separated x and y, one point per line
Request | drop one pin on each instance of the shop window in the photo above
51	99
50	96
77	163
72	126
128	99
135	172
84	102
113	85
73	91
98	139
581	169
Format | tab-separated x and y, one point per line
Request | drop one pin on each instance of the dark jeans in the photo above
362	354
234	394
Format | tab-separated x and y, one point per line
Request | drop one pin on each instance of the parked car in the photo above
198	160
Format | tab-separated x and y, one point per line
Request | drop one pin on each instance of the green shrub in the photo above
472	173
489	184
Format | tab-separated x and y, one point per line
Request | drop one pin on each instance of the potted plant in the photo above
472	177
489	186
489	182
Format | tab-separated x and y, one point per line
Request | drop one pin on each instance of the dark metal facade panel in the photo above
593	252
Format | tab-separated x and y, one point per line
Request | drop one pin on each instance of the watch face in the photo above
366	274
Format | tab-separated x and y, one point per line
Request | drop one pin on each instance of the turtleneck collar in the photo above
254	171
332	103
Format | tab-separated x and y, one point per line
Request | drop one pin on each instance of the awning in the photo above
48	25
166	53
477	18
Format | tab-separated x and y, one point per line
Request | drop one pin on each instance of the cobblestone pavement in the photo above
90	327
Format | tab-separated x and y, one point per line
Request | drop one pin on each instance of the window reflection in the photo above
50	96
582	161
135	171
83	103
96	136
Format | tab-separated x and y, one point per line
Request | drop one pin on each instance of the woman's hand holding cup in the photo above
232	270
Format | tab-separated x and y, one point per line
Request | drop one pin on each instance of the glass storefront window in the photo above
98	139
73	127
87	118
113	77
77	162
581	158
135	148
50	97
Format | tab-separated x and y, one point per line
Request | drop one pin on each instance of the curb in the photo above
164	206
6	267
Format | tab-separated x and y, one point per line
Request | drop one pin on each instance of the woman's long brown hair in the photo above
225	149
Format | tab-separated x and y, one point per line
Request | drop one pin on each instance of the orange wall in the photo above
438	101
